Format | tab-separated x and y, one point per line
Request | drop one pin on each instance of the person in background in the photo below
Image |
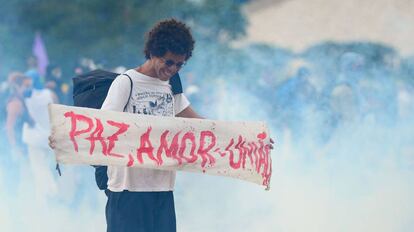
32	70
35	137
17	114
55	83
78	70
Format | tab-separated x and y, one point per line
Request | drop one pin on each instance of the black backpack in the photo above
90	90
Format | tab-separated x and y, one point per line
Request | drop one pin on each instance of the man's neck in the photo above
147	69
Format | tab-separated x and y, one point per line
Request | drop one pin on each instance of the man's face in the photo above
57	73
168	65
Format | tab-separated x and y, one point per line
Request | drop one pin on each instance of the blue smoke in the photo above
341	116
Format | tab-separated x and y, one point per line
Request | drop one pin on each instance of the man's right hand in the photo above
52	142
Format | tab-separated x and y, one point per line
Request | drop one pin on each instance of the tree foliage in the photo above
111	32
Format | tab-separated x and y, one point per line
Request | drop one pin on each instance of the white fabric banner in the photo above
97	137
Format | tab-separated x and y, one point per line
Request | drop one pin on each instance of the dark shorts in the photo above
140	211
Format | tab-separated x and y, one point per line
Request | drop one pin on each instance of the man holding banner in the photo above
145	147
142	199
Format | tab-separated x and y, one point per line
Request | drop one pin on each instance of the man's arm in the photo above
188	113
14	110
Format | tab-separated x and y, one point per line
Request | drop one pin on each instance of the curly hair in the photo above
169	35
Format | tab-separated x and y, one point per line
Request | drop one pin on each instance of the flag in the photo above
39	51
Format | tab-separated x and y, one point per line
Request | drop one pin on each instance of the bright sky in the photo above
297	24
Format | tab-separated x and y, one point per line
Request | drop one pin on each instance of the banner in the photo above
96	137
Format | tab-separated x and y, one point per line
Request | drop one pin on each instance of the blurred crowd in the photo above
310	97
25	95
298	94
358	92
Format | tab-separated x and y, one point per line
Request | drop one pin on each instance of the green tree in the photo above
111	32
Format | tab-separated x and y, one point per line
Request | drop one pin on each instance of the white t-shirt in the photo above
149	96
37	107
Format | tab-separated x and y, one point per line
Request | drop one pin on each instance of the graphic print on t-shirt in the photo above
152	103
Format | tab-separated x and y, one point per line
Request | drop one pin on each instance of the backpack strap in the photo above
98	166
130	91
